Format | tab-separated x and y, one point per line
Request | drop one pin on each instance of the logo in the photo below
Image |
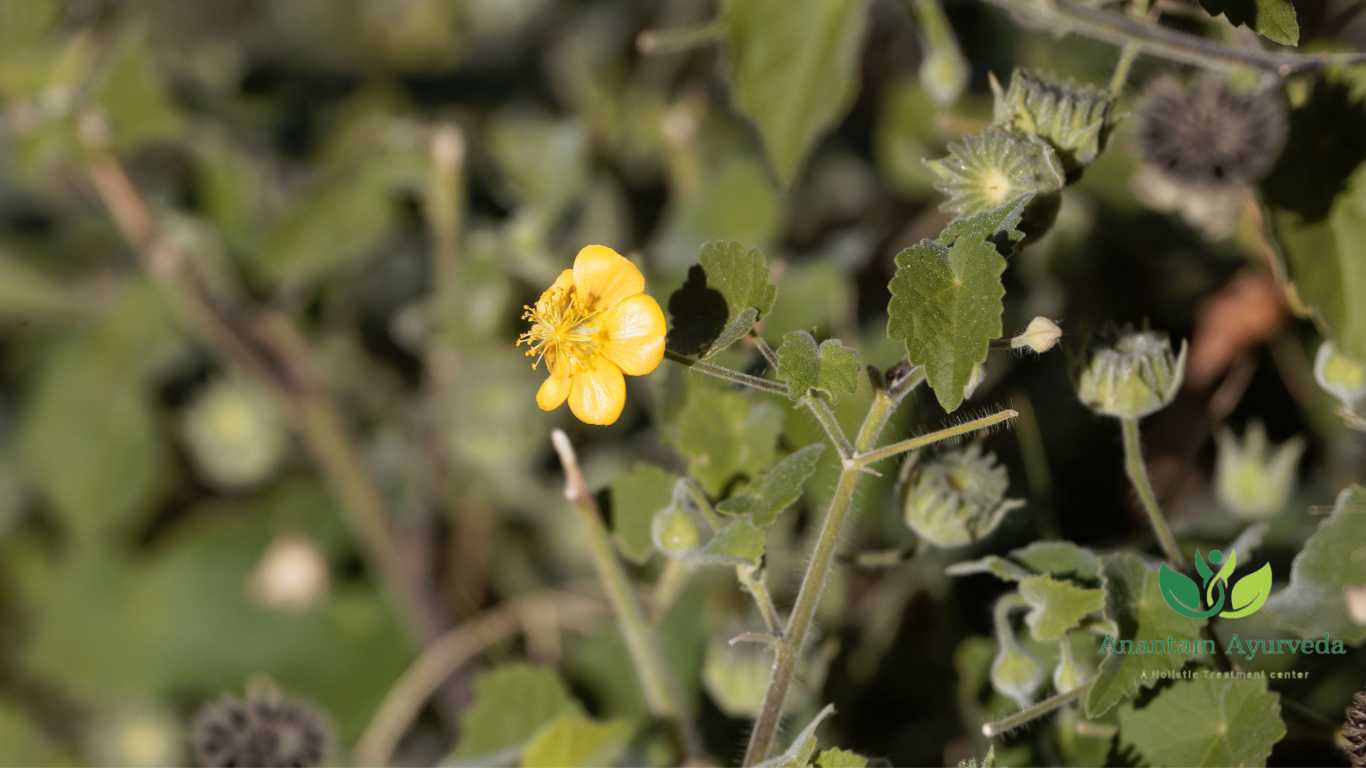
1227	600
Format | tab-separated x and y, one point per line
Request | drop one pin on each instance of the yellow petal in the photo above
606	276
553	392
564	280
635	335
597	395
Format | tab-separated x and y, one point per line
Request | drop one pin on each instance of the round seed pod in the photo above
265	730
958	497
1135	377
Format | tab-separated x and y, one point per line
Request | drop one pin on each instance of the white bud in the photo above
291	576
1040	335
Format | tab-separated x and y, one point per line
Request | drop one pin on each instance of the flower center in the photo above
562	330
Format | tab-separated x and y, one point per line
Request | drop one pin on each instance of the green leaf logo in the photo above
1244	598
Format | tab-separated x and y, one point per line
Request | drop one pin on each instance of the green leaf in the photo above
636	497
794	69
840	758
1053	558
779	489
1315	602
724	434
1316	201
1206	722
1057	606
831	369
738	543
947	299
1134	602
1273	19
512	703
803	747
90	439
721	300
574	740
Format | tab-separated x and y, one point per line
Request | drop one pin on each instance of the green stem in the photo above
826	418
1138	476
865	458
752	582
803	611
997	727
668	586
1165	42
655	680
680	40
727	374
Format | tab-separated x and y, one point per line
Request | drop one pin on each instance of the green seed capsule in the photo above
1341	376
674	531
1253	480
958	497
235	437
1137	376
1075	119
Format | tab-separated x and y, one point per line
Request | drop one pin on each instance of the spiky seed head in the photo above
991	168
1209	133
265	730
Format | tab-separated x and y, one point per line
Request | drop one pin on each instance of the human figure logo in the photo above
1228	600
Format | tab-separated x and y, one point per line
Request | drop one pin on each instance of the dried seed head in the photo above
1135	377
266	730
1354	730
957	497
1208	133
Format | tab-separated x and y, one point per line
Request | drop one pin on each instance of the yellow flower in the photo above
591	326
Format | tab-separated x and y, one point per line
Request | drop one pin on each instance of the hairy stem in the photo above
727	374
655	681
865	458
997	727
1138	476
1165	42
750	578
819	409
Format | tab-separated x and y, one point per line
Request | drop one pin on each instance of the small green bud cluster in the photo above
1075	119
1136	377
958	497
1253	480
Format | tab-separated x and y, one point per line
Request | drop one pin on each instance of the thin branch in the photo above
1165	42
1137	471
727	374
271	351
449	652
1029	714
916	443
656	680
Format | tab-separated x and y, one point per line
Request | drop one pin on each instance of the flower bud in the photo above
944	74
137	734
958	497
292	575
1040	336
234	435
736	677
674	531
1136	377
1343	377
1016	673
1075	119
1251	479
1070	672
